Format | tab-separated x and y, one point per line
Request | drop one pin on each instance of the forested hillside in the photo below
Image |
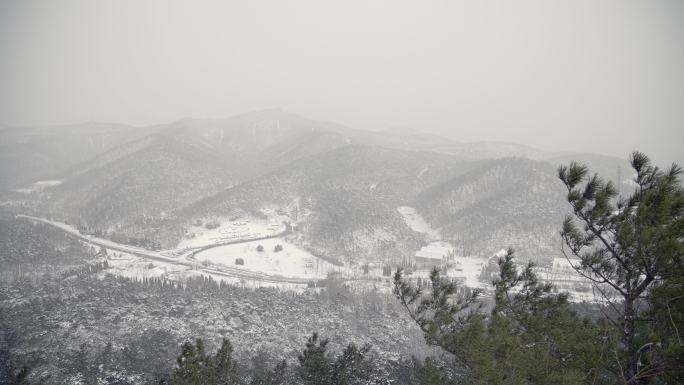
515	202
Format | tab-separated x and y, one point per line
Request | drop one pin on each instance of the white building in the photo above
432	255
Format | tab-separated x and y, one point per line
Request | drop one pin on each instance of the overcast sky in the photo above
597	76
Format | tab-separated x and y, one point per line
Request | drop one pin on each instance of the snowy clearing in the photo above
291	261
417	223
468	268
226	230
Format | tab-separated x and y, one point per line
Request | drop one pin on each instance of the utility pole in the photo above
619	181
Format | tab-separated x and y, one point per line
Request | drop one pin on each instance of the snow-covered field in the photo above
131	261
465	269
291	261
291	267
131	266
468	268
437	249
199	235
417	223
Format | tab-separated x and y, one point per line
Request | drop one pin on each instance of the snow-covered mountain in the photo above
346	184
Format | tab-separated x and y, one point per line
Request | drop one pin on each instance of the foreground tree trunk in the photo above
630	370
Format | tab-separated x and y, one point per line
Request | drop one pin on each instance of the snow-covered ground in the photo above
565	278
436	249
291	261
95	240
132	266
230	230
468	268
40	186
175	264
417	223
292	267
465	268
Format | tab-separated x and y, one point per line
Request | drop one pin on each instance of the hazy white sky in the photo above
599	76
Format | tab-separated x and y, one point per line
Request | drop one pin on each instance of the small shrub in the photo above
239	261
260	248
212	225
278	248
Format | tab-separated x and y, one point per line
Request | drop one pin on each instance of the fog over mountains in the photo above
341	185
306	192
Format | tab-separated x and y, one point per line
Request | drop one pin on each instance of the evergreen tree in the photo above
629	248
261	375
21	377
279	375
530	336
151	352
83	364
224	368
195	367
315	366
667	314
431	372
351	366
318	368
106	359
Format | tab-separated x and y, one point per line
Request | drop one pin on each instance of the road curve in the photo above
182	259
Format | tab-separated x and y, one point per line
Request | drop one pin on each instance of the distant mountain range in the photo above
345	184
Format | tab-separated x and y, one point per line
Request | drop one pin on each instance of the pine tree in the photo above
318	368
83	364
21	377
315	366
224	368
195	367
261	375
351	366
667	313
628	249
279	374
530	336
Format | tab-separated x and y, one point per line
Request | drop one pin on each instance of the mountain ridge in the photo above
152	182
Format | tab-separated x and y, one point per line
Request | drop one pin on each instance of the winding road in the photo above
184	257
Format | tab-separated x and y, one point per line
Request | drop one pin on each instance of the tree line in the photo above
630	248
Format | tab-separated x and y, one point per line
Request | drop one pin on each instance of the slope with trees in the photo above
513	201
631	249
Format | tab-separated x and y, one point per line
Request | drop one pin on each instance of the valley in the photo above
260	225
334	200
341	193
189	258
